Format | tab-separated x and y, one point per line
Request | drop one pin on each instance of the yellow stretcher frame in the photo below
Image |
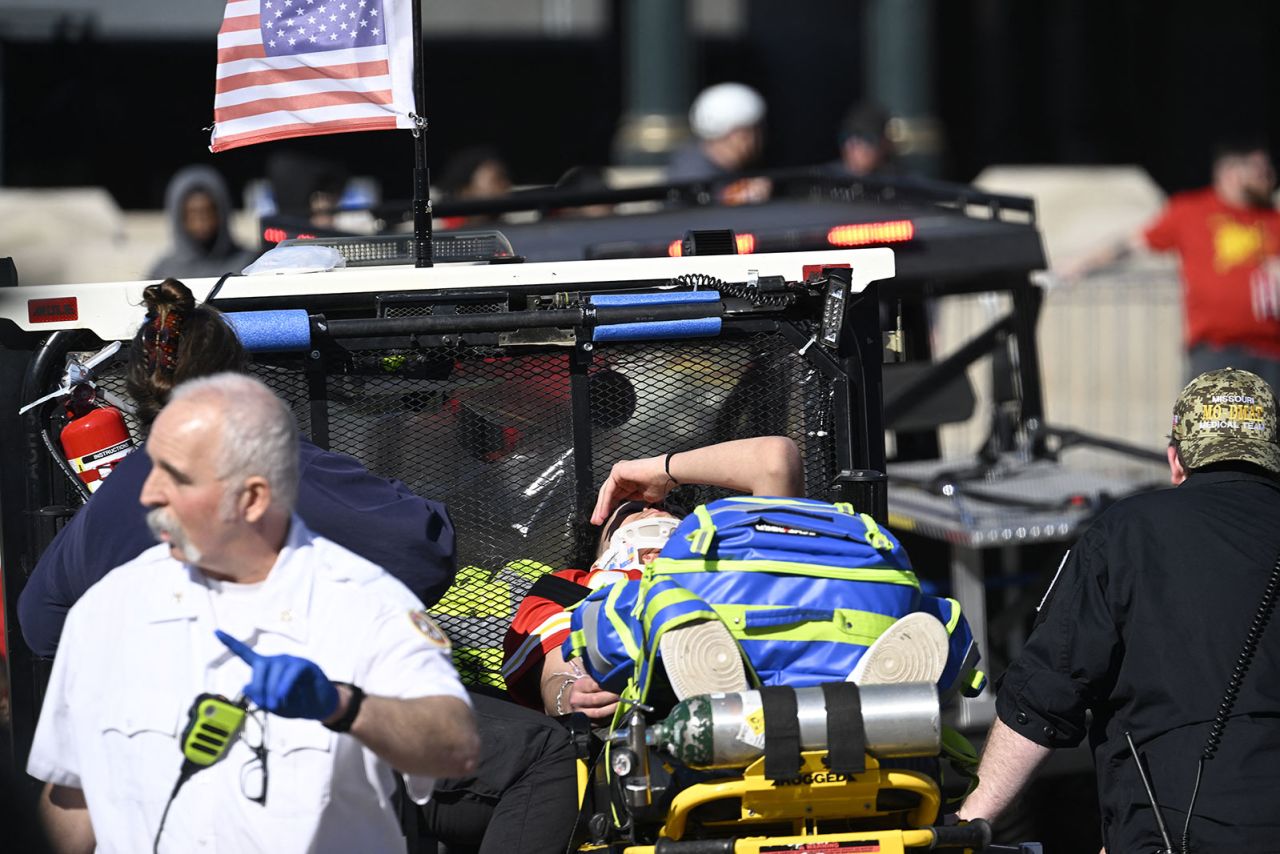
814	797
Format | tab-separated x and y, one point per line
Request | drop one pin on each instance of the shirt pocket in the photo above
139	743
300	763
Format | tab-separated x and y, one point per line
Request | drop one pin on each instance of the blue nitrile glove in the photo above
285	685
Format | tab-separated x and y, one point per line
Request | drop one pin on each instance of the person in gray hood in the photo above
199	209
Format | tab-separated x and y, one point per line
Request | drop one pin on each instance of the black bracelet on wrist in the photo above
343	724
666	467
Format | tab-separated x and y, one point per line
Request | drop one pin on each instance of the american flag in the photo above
306	67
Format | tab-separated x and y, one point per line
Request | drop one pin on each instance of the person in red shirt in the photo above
631	501
1227	237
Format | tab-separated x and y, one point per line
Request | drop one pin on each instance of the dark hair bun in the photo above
167	296
178	341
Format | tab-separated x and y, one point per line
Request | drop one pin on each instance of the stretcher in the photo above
651	806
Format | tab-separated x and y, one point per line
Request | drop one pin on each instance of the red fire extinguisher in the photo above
96	437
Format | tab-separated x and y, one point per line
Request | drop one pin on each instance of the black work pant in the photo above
524	794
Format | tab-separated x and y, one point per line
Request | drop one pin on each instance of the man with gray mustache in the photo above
349	682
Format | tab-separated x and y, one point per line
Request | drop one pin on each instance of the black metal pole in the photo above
421	173
590	316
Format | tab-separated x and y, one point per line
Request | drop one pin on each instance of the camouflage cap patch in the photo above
1226	415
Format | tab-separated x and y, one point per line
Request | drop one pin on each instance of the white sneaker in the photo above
914	649
702	658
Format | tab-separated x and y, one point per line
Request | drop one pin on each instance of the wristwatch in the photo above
343	724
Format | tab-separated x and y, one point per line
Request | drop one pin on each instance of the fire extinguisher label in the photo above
100	458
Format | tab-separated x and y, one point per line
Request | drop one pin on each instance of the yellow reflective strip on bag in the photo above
670	596
955	617
884	575
620	625
773	502
975	680
700	540
875	537
847	625
637	610
845	507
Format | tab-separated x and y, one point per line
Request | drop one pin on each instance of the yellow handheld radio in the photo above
213	723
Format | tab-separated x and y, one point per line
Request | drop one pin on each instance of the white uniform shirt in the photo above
139	647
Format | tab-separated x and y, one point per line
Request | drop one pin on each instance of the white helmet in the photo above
725	107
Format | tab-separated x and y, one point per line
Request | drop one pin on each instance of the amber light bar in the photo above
867	233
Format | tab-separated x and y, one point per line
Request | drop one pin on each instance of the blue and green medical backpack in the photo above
804	587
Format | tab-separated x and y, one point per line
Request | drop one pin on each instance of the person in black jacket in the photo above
1146	628
379	519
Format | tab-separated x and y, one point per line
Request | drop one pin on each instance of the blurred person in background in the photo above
306	188
473	174
583	179
728	121
478	172
198	207
865	148
1227	237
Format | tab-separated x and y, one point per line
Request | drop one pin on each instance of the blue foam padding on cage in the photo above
671	298
263	331
694	327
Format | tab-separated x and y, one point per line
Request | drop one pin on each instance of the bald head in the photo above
254	431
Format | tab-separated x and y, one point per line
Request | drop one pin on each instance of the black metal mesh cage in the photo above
490	432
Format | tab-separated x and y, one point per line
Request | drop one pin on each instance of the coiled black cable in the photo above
1238	672
742	291
698	281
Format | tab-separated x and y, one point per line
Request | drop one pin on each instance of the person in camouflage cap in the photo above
1222	416
1140	636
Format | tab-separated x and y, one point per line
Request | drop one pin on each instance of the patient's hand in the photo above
632	480
586	696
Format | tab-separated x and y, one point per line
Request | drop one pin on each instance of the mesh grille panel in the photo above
490	433
480	307
407	311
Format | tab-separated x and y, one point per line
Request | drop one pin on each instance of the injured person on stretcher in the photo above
777	590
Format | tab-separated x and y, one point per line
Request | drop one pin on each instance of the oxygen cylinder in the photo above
95	442
727	730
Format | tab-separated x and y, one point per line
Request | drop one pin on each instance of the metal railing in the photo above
1111	357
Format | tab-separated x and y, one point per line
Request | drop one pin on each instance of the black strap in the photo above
782	759
562	591
846	738
217	287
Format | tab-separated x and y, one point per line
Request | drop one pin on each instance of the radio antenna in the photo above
1151	796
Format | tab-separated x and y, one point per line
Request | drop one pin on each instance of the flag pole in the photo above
421	173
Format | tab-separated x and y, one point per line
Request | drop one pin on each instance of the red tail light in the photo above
274	235
675	249
746	243
868	233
